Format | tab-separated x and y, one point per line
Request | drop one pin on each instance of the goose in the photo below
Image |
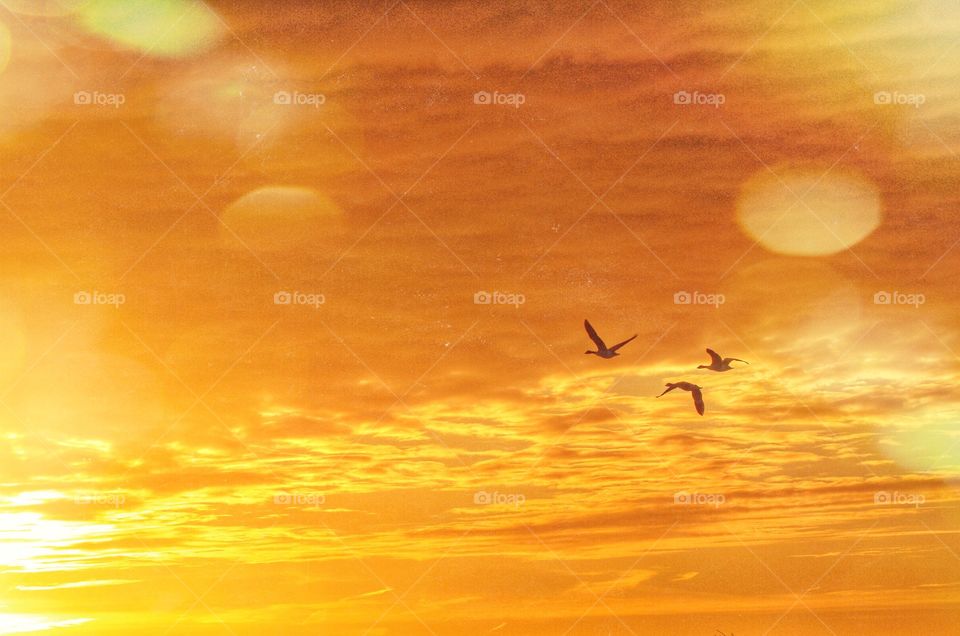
719	364
602	350
688	386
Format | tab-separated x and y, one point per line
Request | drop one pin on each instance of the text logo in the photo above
296	98
498	298
484	498
897	98
684	498
98	298
499	99
696	98
96	98
299	298
299	499
100	499
898	298
698	298
896	498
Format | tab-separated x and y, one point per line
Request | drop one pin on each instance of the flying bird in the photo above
719	364
687	386
602	350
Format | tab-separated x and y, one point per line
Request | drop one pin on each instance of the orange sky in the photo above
187	456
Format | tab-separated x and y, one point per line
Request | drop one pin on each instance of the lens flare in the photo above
44	8
801	212
164	28
278	217
928	440
5	46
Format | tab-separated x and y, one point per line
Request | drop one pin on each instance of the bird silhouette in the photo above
719	364
687	386
602	349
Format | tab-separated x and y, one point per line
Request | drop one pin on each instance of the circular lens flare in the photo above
279	217
163	28
801	212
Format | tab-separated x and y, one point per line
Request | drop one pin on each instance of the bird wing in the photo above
620	344
698	399
670	387
735	360
714	357
593	335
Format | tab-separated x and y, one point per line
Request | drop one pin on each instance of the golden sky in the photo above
251	384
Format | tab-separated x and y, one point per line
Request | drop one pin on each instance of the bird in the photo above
602	350
688	386
719	364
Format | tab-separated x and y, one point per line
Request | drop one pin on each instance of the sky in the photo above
292	300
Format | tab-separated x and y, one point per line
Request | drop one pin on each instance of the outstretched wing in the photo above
593	335
620	344
697	399
735	360
670	387
714	357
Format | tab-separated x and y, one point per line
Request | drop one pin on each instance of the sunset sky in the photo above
292	307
